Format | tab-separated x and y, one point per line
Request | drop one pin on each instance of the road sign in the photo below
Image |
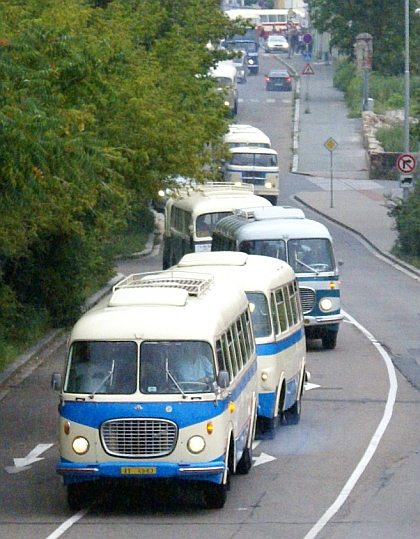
307	70
406	163
307	39
331	144
406	181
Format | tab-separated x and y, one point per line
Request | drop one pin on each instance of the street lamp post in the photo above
407	79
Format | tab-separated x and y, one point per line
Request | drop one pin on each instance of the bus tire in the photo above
245	462
329	339
292	415
215	495
79	495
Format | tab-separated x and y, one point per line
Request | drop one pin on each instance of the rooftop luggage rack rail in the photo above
195	285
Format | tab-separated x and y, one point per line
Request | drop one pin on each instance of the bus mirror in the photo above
56	382
223	379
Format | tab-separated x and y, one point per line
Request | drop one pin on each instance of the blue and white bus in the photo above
272	290
285	233
150	392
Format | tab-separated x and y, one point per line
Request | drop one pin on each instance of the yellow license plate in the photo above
138	471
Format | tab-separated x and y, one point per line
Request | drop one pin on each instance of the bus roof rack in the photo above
194	284
271	212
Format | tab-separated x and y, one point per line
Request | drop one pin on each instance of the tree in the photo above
383	19
101	103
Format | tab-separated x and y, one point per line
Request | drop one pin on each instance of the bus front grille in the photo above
307	298
139	438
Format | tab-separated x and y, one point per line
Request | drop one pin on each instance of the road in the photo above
349	470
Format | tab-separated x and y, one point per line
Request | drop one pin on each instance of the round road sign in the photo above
406	163
307	39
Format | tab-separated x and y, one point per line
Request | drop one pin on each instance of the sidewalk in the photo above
345	195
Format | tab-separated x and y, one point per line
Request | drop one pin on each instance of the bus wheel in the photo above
245	463
329	339
79	495
215	495
292	415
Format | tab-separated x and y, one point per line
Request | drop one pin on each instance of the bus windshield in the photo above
254	159
205	223
273	248
310	255
102	367
176	367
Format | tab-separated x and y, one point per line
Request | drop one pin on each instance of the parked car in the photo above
276	43
278	80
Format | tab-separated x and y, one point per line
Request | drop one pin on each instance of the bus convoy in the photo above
175	373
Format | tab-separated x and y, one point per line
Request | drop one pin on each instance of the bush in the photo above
407	221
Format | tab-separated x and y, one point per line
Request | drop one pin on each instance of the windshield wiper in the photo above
172	378
109	376
306	266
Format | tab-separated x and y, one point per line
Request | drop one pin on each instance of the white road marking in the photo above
374	442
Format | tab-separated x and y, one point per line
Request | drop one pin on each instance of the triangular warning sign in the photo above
307	70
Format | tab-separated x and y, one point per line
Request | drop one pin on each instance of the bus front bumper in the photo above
75	473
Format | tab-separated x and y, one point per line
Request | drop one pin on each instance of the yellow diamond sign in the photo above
331	144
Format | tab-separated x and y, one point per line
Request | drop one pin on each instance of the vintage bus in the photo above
272	290
191	217
225	76
256	166
150	392
246	135
285	233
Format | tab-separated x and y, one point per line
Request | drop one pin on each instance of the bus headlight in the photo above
80	445
196	444
268	185
326	304
250	61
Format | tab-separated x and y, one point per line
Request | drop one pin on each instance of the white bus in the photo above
191	218
246	135
256	166
150	392
272	290
285	233
226	78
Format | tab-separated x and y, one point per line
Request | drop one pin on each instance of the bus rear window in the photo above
205	224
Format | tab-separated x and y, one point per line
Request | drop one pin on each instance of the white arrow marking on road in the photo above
21	464
262	459
309	386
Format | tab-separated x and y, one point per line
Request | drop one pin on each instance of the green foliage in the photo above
407	219
383	19
344	72
101	103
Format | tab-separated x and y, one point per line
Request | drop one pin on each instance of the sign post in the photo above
331	145
406	164
307	70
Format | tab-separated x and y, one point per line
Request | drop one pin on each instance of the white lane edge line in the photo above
374	442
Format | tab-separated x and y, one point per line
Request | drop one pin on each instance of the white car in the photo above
276	43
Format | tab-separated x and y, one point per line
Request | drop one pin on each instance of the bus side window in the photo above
226	355
238	341
281	309
293	303
232	352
